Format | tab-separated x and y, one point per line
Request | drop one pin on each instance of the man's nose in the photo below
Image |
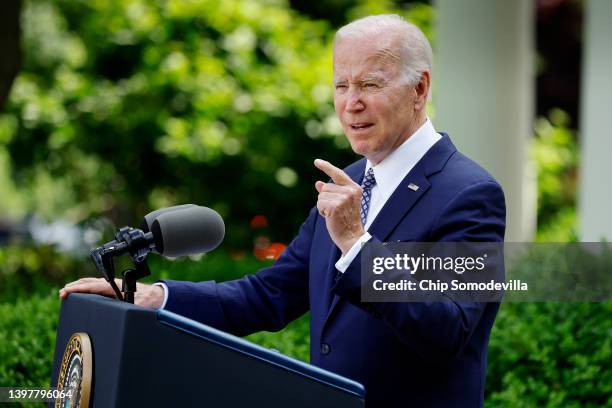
354	102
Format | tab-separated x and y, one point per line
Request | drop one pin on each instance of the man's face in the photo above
375	107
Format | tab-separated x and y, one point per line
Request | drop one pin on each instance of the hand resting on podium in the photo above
146	295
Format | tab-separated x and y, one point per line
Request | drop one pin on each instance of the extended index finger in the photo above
336	174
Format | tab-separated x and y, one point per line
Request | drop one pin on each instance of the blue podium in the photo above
129	356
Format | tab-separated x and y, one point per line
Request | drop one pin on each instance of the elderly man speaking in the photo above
411	185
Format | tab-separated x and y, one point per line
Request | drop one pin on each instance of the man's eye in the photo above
340	86
371	85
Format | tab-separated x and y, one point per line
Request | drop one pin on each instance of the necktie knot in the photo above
367	184
369	180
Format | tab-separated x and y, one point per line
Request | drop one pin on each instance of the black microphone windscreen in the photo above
150	217
188	231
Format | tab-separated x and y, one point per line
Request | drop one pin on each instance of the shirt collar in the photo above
392	170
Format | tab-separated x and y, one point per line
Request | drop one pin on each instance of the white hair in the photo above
415	51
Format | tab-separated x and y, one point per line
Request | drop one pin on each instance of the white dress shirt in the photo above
389	173
166	290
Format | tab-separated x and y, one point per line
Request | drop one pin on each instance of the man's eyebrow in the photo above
365	78
372	78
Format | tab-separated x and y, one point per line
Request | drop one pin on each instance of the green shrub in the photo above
551	355
27	341
293	341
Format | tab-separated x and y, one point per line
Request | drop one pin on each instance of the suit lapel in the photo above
411	189
397	206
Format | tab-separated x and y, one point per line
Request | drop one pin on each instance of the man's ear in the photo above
422	91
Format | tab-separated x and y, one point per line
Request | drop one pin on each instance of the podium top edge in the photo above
107	301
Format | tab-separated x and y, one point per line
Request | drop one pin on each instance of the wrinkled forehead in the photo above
359	56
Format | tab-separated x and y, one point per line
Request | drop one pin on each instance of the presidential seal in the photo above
75	373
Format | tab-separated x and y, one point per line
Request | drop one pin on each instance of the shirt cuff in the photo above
165	288
346	259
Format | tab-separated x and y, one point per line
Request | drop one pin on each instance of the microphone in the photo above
188	230
176	231
172	232
148	219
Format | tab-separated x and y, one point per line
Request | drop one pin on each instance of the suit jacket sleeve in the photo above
476	213
268	300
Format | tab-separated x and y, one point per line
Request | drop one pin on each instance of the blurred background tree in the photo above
122	107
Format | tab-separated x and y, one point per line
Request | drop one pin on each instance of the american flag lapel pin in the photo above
413	187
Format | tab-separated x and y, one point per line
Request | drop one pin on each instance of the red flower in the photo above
272	251
259	221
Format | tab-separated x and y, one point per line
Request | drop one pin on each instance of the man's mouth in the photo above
361	126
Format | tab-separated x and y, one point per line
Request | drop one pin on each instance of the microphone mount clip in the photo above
137	244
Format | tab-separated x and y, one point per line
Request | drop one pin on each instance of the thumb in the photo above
319	186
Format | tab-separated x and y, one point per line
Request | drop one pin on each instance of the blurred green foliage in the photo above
126	106
555	153
122	107
27	270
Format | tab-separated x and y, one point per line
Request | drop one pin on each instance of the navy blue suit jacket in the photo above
430	354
